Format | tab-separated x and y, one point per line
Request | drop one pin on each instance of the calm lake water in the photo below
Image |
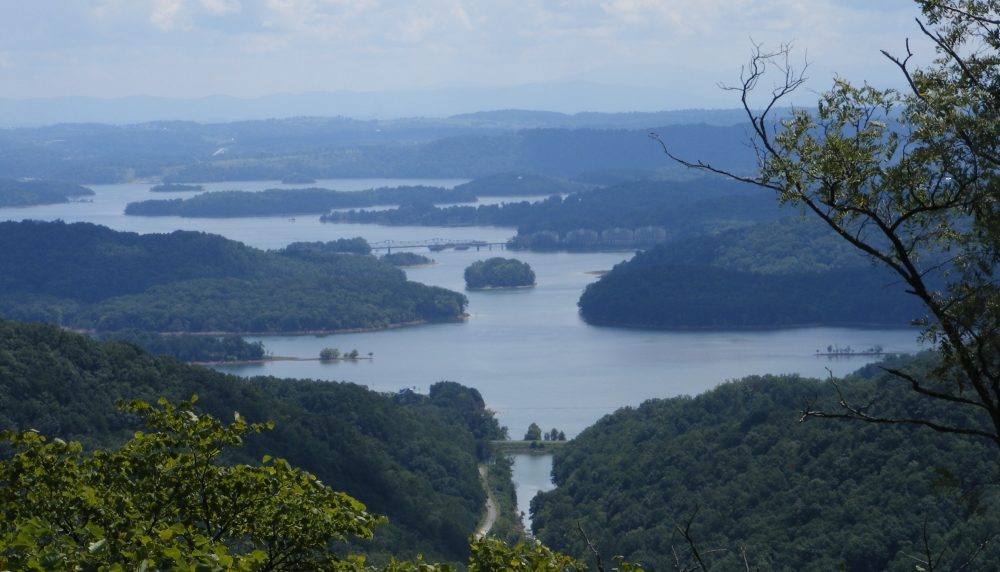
531	476
107	208
527	351
534	360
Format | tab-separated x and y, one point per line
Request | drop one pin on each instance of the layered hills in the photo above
409	456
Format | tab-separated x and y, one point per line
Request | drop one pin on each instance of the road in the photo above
491	505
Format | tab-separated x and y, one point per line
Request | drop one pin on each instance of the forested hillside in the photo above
663	209
737	463
518	183
341	147
16	193
270	202
87	276
786	273
411	457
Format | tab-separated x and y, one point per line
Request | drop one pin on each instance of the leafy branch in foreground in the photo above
166	500
912	179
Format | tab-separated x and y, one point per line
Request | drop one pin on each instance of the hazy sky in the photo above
248	48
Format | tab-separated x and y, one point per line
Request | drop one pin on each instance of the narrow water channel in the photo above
532	475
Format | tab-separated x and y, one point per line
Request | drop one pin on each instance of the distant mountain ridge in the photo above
471	147
567	97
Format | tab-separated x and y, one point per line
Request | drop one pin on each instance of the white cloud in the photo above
461	15
222	7
318	16
165	13
264	43
402	44
690	17
415	29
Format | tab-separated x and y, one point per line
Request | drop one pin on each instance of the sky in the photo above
682	49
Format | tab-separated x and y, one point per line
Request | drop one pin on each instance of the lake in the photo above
534	360
531	476
527	351
108	205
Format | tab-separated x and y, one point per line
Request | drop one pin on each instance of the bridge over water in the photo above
436	244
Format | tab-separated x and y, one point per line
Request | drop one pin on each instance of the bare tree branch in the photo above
894	195
591	547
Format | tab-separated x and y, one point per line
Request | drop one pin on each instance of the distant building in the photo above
582	237
650	235
618	237
545	239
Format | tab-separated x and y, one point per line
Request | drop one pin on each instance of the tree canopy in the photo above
625	215
912	179
408	456
164	501
780	274
17	193
91	277
271	202
499	272
793	496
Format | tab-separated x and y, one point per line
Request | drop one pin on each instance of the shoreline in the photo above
275	358
849	354
761	328
487	288
393	326
521	447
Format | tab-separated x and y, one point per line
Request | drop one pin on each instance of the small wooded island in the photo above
499	273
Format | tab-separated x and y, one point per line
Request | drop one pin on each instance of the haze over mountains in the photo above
562	98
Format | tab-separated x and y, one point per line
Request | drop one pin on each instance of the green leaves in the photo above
489	555
911	179
162	500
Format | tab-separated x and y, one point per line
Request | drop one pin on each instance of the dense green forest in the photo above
620	216
515	184
190	348
356	245
290	201
409	456
820	495
498	272
86	276
404	259
315	200
17	193
785	273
